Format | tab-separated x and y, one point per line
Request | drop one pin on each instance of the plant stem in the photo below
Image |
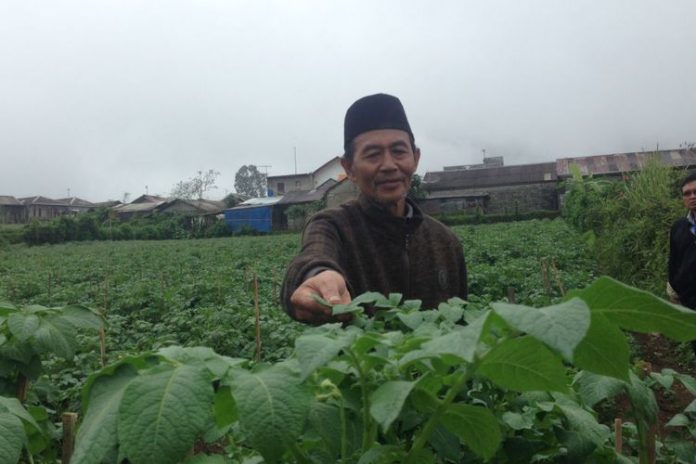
299	455
365	399
427	430
344	438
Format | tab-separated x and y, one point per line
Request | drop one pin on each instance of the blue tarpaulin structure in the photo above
256	213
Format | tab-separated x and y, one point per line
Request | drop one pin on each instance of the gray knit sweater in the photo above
418	257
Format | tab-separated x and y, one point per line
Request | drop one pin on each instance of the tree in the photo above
417	190
196	186
250	181
233	199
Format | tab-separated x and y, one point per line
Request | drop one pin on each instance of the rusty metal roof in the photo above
624	162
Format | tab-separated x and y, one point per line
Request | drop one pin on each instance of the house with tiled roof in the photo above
42	208
281	185
494	190
142	206
77	205
12	211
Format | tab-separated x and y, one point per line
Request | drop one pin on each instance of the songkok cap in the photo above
374	112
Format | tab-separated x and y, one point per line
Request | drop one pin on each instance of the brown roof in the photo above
39	200
308	196
7	200
489	177
136	207
149	199
624	162
74	201
204	206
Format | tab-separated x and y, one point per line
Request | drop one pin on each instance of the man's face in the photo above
382	165
689	195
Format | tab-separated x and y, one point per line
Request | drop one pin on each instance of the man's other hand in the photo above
331	286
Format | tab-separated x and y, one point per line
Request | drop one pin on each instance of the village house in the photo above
76	205
530	187
43	208
494	190
141	206
280	185
12	211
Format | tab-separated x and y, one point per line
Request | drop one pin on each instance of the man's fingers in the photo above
329	285
332	287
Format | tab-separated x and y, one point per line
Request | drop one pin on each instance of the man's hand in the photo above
331	286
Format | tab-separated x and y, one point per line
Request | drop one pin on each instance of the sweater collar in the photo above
379	212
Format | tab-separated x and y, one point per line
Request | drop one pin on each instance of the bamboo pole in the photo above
69	422
545	275
557	276
652	454
618	435
102	344
511	295
258	319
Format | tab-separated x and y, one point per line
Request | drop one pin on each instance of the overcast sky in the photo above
104	97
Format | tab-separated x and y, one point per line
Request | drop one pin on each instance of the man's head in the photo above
380	153
688	191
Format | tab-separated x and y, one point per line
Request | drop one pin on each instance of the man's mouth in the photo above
389	182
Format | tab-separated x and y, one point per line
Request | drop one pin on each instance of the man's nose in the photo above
388	163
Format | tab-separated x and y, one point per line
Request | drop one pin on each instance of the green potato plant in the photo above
501	383
28	334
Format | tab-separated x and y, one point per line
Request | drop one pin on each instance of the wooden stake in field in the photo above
545	275
557	277
258	319
618	435
511	295
69	422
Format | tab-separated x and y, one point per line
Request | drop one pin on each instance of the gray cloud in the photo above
108	97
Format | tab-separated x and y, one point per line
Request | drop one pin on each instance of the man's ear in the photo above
348	167
416	156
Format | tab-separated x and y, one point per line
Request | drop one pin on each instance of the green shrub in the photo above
629	221
462	218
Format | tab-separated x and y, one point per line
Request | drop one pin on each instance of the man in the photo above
682	250
382	241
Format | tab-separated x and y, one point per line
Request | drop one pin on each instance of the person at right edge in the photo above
681	286
382	241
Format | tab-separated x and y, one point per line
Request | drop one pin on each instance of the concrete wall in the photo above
499	200
291	183
341	193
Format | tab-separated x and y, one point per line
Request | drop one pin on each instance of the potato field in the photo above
179	351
